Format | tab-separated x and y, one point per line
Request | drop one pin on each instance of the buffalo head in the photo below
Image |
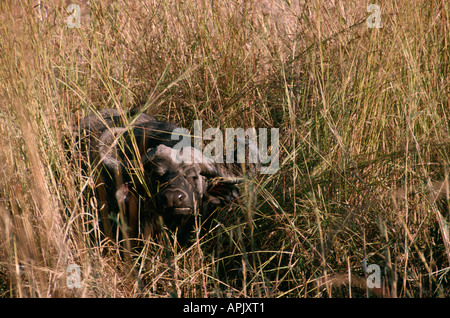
185	182
172	184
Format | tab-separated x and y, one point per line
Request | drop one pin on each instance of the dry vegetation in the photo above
364	121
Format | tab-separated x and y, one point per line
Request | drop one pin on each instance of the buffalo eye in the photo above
191	174
192	177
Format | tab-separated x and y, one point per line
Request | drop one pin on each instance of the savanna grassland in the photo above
361	102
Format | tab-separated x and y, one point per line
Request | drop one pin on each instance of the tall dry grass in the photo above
364	120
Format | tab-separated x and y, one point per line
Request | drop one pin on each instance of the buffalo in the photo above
144	182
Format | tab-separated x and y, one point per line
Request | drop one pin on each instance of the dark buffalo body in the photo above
138	182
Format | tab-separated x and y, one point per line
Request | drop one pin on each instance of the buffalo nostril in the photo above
181	196
175	198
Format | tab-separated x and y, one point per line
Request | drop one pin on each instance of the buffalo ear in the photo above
225	191
235	171
219	195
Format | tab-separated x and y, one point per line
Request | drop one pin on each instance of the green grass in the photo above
364	140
